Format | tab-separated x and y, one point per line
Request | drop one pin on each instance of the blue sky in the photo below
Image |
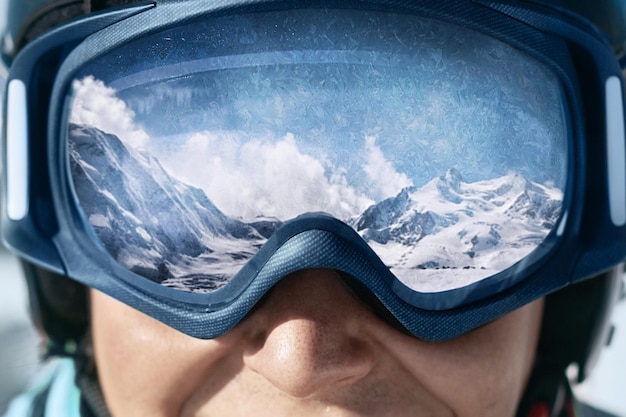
360	123
433	96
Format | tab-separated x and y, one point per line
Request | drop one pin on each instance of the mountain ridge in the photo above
171	232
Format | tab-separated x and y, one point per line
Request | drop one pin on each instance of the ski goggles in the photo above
455	159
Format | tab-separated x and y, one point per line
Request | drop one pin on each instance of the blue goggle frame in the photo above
43	221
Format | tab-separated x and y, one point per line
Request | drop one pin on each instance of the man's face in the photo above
310	349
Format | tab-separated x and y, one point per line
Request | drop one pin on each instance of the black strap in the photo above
92	402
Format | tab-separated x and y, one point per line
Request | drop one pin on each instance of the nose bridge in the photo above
311	335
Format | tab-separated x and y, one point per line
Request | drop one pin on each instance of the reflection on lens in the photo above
451	233
443	148
153	224
444	235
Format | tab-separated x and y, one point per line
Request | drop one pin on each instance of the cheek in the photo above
144	367
486	371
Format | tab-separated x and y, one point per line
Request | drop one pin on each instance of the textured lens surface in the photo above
443	148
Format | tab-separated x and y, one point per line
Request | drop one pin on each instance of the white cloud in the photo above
96	105
381	173
250	177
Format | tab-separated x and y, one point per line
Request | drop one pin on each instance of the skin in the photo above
311	349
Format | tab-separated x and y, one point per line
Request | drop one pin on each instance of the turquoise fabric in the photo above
63	396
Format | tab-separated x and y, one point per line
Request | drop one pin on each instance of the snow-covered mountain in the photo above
152	223
442	235
449	232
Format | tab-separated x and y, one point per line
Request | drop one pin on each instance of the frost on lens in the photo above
444	149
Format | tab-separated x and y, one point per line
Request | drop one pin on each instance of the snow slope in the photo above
450	233
152	223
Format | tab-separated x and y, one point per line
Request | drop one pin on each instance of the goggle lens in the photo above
444	148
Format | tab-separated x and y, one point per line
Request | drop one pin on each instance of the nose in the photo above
311	335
